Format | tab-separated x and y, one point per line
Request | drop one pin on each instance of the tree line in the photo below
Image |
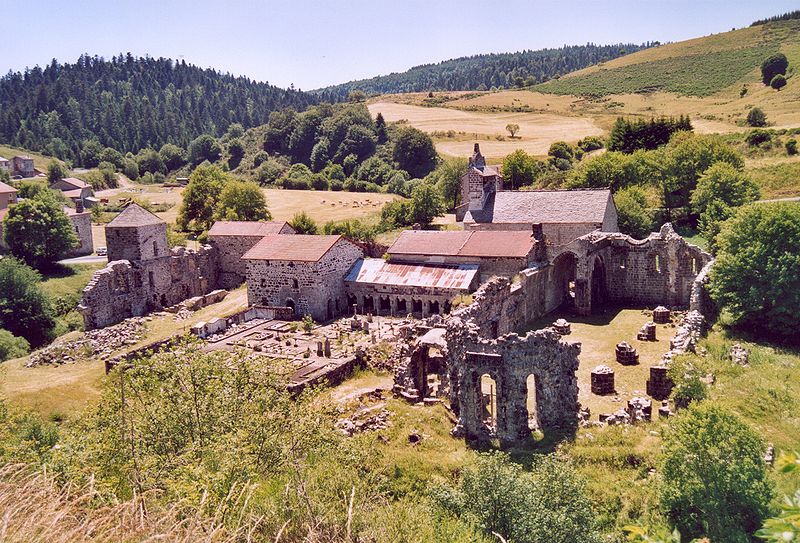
484	72
129	103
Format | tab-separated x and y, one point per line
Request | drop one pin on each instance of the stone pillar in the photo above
512	411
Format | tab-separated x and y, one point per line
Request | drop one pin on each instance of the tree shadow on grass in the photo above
56	271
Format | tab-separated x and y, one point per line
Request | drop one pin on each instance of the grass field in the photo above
40	161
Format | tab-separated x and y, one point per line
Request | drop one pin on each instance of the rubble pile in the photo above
647	332
367	420
739	355
101	342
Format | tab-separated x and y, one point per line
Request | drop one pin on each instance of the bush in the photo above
778	82
546	505
270	171
260	158
791	147
590	143
714	478
757	137
773	65
756	117
561	149
12	346
303	223
24	308
757	273
634	217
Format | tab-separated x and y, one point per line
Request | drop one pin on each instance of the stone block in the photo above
626	354
563	327
659	386
661	315
602	380
647	332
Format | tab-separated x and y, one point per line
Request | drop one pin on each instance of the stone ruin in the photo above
647	332
602	381
562	327
626	354
739	355
661	315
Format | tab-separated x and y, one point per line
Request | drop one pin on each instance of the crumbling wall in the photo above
510	360
126	289
82	224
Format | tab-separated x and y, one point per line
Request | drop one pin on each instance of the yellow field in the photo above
537	130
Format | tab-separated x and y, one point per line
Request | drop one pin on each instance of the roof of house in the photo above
377	271
509	244
77	183
296	248
134	215
246	228
4	189
544	206
74	193
71	211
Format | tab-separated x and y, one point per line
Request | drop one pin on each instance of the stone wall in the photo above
135	243
509	361
555	233
125	289
233	269
311	288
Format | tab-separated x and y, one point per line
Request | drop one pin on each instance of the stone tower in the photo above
136	235
478	185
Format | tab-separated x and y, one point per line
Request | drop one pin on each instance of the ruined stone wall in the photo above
510	360
137	242
312	288
555	233
125	289
82	223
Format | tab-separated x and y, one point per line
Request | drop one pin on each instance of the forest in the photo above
483	72
130	103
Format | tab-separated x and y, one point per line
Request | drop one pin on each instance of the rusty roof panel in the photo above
296	248
376	271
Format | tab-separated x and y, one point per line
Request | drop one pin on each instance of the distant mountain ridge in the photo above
482	72
129	103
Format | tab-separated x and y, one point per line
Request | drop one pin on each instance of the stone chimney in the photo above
79	205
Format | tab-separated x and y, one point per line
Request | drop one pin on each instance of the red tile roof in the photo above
6	188
296	248
508	244
376	271
246	228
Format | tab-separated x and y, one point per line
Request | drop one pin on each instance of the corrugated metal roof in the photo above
376	271
544	206
508	244
296	248
134	215
246	228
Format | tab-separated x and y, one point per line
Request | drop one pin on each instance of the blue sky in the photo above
315	43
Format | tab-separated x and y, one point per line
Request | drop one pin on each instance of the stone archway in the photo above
598	285
565	272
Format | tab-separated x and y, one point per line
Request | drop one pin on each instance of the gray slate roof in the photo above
134	215
544	206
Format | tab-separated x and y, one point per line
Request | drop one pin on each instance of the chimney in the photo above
79	205
477	148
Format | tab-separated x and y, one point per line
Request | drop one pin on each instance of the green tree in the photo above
757	273
756	117
204	148
512	129
773	65
634	216
38	231
380	129
270	171
236	152
778	82
791	147
519	169
359	142
548	504
561	149
320	154
303	223
414	152
723	183
200	198
12	346
426	204
448	180
172	156
149	160
241	201
130	169
24	308
55	171
714	479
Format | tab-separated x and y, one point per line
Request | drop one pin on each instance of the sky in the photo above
312	44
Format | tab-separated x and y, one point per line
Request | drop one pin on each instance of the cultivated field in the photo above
537	130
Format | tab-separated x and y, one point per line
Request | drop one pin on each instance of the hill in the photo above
130	103
483	72
697	67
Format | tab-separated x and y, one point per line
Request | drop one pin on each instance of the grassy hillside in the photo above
698	67
40	161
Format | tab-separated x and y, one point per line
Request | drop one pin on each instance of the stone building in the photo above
502	253
8	196
77	190
233	239
143	274
303	272
82	224
399	288
5	164
478	185
23	166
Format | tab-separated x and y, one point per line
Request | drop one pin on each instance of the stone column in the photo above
512	412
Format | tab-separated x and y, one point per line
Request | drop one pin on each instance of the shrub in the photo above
24	308
590	143
12	346
757	273
714	478
303	224
778	82
635	219
758	136
772	66
791	147
756	117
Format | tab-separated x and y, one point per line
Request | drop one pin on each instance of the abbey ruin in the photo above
461	299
